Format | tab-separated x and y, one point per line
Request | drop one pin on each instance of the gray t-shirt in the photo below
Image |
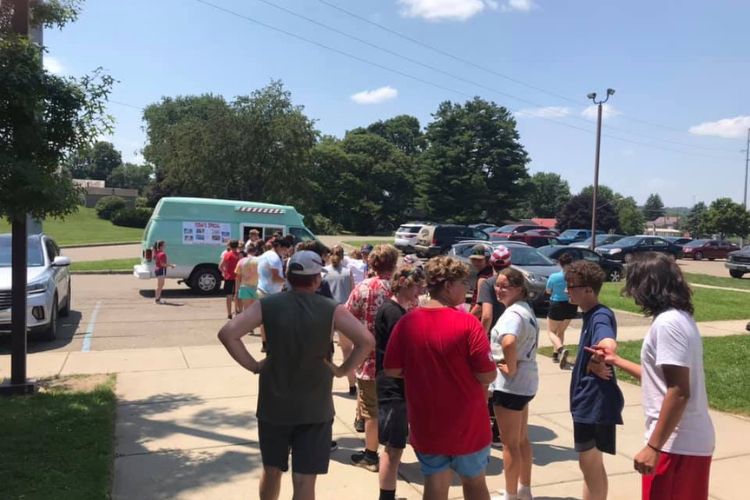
339	279
518	320
487	295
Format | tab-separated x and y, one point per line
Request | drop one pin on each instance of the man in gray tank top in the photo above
295	406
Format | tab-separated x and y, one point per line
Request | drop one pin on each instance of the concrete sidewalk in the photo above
186	430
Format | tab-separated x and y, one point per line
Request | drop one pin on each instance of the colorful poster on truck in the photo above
205	233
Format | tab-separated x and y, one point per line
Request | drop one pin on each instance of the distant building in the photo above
665	226
96	190
548	223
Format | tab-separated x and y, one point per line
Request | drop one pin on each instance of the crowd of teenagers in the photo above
452	379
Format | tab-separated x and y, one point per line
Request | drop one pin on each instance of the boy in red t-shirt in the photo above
228	269
444	357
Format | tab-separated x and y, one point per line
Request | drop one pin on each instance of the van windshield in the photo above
301	234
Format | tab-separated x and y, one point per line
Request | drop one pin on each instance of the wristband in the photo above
653	447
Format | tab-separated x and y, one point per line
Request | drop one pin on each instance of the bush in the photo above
132	217
320	224
107	206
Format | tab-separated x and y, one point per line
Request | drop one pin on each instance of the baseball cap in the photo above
500	257
480	252
305	263
366	248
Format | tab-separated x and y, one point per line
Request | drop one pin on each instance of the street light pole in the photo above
595	194
747	161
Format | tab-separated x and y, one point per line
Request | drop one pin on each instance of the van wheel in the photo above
206	281
50	333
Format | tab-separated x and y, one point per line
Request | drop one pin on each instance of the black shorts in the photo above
603	437
560	311
162	271
229	287
310	445
510	401
393	427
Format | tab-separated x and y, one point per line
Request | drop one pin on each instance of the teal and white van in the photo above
196	231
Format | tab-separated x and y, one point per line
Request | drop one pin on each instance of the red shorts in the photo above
678	477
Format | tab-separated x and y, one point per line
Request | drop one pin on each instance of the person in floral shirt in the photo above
363	303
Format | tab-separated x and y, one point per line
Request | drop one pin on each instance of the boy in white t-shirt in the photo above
676	459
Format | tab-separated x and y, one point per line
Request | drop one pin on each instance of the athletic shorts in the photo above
229	287
677	476
310	445
393	427
469	465
603	437
162	271
367	398
510	401
560	311
247	292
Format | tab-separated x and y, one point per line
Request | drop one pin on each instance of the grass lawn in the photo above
84	227
710	304
59	443
373	242
104	265
725	362
704	279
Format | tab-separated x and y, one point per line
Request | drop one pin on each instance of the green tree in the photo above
130	176
629	216
727	218
402	131
576	213
473	164
654	208
695	222
546	195
94	162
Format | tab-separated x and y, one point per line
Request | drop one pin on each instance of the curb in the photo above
106	271
112	244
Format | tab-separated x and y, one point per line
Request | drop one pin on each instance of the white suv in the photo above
47	285
406	236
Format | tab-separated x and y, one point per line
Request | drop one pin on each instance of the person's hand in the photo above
503	367
259	366
172	266
336	370
600	369
602	354
646	459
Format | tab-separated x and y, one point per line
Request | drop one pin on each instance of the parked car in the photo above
601	239
48	292
678	240
573	235
534	240
738	262
536	267
437	239
511	229
708	249
613	269
625	248
406	236
483	226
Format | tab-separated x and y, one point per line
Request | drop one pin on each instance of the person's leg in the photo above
159	288
594	475
389	462
346	350
510	430
368	405
229	305
475	488
270	483
524	476
564	324
436	485
553	327
304	486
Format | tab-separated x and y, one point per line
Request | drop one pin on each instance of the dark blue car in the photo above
625	248
574	235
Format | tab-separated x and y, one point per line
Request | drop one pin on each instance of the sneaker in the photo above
497	443
229	316
352	390
360	459
334	446
563	358
556	357
359	425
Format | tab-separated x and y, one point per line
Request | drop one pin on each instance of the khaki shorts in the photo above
367	399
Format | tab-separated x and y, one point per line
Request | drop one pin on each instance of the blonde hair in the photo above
406	276
383	259
356	254
443	269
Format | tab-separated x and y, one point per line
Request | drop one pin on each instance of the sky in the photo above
676	125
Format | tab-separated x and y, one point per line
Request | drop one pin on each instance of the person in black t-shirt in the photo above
393	427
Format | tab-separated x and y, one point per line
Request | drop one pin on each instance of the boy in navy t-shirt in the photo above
596	401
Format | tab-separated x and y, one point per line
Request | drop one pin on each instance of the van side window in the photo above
269	230
301	234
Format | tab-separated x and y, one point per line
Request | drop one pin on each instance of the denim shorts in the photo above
469	465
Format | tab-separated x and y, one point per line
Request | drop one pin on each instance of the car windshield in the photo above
547	251
627	242
34	255
506	229
696	243
409	229
527	256
569	233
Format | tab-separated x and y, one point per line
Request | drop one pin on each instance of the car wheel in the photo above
698	256
615	275
712	258
734	273
628	258
206	281
50	333
66	310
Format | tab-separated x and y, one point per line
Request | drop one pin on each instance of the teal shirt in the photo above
556	283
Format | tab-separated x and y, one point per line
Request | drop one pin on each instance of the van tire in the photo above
205	280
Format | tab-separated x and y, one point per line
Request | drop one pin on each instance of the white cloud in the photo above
519	5
442	10
375	96
52	65
546	112
607	112
729	128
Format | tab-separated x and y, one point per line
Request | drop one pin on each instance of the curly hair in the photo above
515	279
565	259
313	246
656	284
405	276
383	259
585	273
442	269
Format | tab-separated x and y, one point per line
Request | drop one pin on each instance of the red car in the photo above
511	229
708	249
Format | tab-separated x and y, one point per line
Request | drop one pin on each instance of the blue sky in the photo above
678	120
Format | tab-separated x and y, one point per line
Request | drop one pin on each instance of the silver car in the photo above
406	236
47	285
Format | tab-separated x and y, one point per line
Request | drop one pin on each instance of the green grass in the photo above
710	304
58	444
725	362
84	228
104	265
704	279
373	242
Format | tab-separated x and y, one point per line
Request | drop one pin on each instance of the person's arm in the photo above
351	328
676	399
276	276
605	354
486	317
231	335
480	355
509	365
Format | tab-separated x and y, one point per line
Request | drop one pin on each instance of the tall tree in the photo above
654	208
402	131
130	176
695	222
727	218
576	213
629	216
94	162
546	195
473	164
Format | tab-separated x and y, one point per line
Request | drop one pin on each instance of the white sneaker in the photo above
524	493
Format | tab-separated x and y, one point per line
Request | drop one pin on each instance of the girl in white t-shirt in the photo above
514	340
676	459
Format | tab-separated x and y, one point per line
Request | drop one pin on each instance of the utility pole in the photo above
747	161
592	96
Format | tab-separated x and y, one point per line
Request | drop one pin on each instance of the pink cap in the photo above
500	257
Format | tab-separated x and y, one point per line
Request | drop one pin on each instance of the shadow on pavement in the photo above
66	332
176	293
